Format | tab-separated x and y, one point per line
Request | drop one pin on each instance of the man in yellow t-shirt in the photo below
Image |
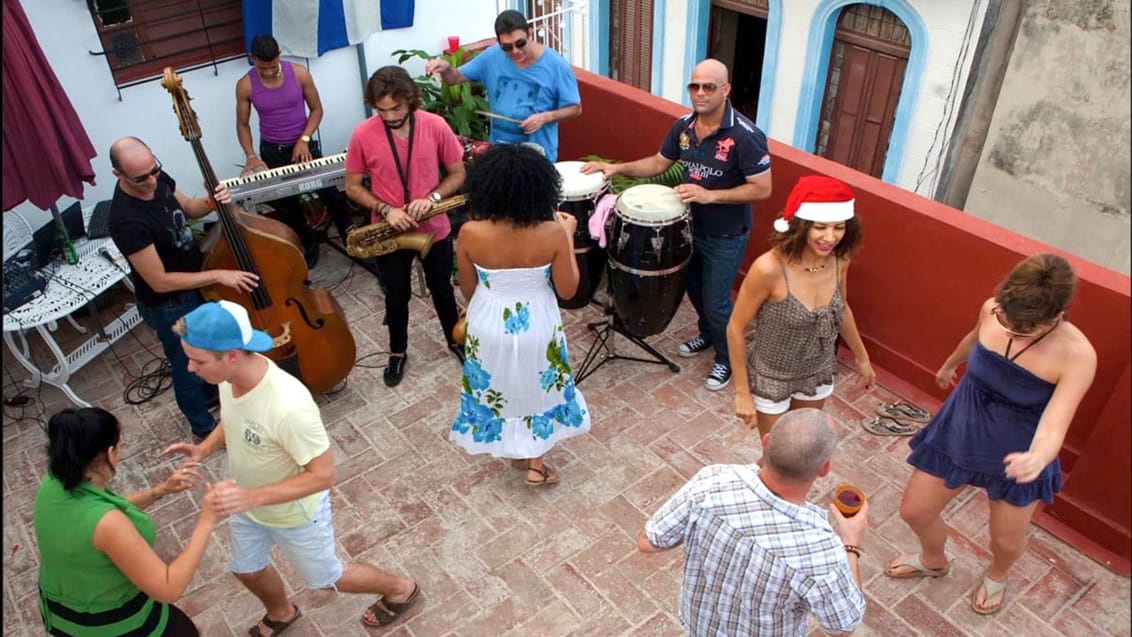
282	467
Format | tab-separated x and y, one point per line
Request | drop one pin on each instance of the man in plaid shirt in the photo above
759	558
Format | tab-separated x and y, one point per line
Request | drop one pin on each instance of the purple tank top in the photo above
282	110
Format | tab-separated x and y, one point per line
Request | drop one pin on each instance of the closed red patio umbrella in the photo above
46	151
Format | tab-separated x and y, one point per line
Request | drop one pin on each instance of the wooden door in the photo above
866	72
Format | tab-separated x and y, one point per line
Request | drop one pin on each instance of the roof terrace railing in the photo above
563	25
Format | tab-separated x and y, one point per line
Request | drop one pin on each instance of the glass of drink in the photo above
848	499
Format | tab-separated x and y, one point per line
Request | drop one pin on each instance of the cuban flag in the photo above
309	28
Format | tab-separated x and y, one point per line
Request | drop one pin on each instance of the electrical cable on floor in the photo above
151	382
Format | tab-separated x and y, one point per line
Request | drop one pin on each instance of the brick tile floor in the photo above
495	557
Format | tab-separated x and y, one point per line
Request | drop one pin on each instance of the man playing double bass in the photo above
149	225
402	150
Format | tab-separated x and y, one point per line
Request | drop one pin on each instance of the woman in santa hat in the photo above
796	294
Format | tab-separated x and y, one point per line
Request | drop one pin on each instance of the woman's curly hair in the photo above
513	183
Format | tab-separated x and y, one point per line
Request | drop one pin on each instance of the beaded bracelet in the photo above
855	550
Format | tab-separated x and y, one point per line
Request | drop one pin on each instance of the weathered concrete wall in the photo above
1056	165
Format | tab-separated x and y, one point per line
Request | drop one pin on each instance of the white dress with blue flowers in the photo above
518	397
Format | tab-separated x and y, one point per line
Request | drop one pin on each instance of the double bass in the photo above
312	339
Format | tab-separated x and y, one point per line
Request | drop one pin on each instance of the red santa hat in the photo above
817	198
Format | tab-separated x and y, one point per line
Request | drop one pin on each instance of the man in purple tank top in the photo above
282	93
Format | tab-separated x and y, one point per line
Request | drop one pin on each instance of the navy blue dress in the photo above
994	411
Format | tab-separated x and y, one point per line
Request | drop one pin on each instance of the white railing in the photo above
564	25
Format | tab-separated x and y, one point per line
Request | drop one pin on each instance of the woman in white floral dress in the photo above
518	397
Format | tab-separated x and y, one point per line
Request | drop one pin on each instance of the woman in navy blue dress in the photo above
1002	427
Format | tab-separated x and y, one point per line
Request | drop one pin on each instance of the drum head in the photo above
650	205
577	186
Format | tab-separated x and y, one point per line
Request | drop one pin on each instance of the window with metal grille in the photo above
142	37
630	38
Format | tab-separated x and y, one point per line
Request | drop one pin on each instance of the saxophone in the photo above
379	239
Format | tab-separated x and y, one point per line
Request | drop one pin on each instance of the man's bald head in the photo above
712	69
127	147
800	444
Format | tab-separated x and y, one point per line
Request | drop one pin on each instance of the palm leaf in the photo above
619	183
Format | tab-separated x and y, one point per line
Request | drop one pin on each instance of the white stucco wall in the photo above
1056	162
66	33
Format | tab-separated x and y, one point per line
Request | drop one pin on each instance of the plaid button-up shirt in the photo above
755	564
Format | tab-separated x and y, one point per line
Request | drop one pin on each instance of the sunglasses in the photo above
508	47
708	87
153	173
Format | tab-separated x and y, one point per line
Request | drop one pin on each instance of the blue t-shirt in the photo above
725	159
546	85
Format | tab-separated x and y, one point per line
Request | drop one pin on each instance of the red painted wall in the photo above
916	288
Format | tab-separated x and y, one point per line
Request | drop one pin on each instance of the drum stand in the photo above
604	350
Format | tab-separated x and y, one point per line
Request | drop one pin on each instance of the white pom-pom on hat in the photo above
817	198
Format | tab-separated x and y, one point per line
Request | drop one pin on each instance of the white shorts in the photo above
766	406
309	547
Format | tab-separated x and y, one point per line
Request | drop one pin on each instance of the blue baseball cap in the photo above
219	326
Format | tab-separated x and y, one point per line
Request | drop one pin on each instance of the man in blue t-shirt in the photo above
726	167
530	85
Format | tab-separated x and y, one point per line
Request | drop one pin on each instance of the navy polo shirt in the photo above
725	159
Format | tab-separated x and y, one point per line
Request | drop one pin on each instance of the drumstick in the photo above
498	116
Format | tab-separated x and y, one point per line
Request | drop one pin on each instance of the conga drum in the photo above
578	196
649	244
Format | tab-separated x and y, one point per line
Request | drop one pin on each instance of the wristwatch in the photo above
306	139
434	197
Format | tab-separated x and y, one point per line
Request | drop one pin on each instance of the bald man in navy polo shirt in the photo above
726	167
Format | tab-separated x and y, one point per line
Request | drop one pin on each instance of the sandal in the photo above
886	426
277	627
520	463
903	411
388	612
918	569
546	476
991	588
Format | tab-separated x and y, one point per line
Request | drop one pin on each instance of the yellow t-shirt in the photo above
271	432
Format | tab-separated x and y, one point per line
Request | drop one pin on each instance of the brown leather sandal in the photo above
546	476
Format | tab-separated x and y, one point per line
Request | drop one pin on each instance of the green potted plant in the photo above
457	103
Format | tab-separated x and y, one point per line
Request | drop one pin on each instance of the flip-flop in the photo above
918	569
990	588
276	627
885	426
544	471
388	612
903	411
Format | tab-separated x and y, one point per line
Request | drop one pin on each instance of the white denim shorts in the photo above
766	406
309	547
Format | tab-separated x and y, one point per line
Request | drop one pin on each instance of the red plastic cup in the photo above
453	43
848	499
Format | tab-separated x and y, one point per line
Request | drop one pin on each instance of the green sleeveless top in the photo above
81	591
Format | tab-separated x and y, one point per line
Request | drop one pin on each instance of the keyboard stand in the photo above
368	266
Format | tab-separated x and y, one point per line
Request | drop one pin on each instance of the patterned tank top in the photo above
794	347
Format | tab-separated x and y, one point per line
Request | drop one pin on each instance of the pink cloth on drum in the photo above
602	209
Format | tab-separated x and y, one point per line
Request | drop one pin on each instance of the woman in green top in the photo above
98	574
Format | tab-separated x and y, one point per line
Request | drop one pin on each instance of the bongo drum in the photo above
578	196
649	245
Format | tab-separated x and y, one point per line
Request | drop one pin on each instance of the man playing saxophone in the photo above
402	149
